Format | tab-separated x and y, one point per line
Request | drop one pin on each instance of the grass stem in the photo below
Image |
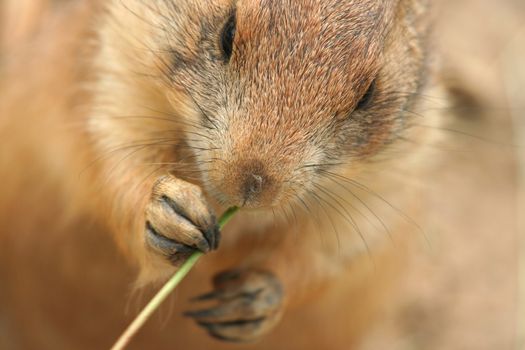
166	290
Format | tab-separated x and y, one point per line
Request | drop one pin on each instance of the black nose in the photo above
254	182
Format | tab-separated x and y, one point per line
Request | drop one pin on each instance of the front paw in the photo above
248	305
179	221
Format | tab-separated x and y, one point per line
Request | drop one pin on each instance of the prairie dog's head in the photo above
275	93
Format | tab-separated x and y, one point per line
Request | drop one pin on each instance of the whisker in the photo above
348	217
381	221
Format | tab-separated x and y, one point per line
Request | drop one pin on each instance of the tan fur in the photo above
91	120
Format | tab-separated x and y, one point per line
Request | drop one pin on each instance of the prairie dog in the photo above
172	111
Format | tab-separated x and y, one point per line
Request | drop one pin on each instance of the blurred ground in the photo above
463	293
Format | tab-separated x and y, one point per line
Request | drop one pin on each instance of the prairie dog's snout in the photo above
259	163
251	174
254	181
255	184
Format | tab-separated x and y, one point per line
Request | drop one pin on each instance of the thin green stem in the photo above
166	290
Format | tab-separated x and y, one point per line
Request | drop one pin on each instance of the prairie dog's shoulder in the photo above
43	96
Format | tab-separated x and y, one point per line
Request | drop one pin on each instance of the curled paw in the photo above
179	221
246	305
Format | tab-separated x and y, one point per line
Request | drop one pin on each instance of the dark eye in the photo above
367	97
227	36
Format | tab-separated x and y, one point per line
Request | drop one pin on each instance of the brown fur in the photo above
91	120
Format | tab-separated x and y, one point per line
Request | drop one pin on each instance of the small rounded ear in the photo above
466	101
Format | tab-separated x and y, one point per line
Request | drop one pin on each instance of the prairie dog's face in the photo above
284	90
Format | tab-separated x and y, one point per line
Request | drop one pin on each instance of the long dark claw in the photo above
207	296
